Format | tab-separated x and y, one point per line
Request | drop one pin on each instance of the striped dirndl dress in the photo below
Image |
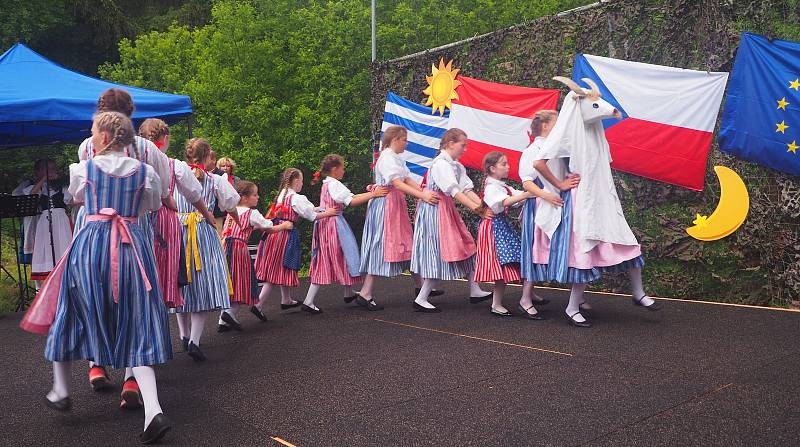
426	253
328	262
373	248
499	249
167	247
245	286
270	265
112	321
206	268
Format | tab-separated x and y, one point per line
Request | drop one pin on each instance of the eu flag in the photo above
761	118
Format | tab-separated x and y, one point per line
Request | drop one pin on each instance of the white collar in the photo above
329	179
494	181
446	157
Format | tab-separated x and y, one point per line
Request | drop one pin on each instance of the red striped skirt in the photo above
269	261
487	265
328	266
167	249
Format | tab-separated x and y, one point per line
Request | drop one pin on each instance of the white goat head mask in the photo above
593	107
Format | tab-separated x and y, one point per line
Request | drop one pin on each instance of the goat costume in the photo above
589	234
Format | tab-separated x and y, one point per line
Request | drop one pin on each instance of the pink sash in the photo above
455	242
42	313
397	234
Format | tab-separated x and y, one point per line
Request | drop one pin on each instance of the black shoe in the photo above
370	304
254	310
311	310
61	405
195	353
423	309
185	342
231	322
577	323
480	299
527	315
349	299
540	302
654	307
500	313
156	430
433	292
223	328
289	306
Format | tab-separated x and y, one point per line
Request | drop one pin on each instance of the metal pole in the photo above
374	26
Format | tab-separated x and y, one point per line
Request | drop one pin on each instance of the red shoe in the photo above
99	379
130	398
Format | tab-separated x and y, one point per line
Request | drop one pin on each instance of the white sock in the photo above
366	289
312	292
497	298
183	324
348	291
575	300
637	289
128	373
424	291
286	296
146	379
61	375
474	288
264	294
91	364
198	324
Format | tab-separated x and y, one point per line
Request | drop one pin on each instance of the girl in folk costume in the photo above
54	195
245	286
443	249
388	237
589	234
206	269
541	124
278	257
108	277
498	242
334	251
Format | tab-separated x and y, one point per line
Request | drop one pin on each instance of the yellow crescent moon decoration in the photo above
734	203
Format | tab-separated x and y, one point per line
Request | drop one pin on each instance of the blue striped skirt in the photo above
372	255
528	270
89	325
426	259
558	268
208	289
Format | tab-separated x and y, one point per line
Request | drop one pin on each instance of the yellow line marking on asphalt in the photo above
284	442
532	348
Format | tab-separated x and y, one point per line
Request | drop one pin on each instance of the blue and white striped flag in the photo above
425	130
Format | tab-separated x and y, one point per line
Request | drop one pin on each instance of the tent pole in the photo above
189	125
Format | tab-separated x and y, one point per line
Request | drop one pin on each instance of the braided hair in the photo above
196	151
153	129
329	162
118	126
289	175
115	100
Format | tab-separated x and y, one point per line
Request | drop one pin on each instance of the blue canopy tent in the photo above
42	102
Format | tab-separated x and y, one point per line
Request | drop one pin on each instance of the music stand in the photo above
16	207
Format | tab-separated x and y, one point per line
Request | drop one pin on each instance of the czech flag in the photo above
668	116
497	117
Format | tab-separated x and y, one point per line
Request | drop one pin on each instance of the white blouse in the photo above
495	192
449	175
300	204
339	193
117	164
390	166
148	153
227	197
256	218
186	182
527	173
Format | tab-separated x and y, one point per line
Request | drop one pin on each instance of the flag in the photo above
761	119
668	116
497	117
425	130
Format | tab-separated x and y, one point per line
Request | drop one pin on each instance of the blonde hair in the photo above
196	151
226	161
288	176
118	126
539	118
153	129
392	133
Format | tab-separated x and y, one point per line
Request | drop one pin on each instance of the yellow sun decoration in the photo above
442	86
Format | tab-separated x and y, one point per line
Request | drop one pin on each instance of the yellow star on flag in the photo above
701	221
793	147
782	103
781	127
795	84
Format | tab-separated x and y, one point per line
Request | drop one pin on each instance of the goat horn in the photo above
571	84
595	89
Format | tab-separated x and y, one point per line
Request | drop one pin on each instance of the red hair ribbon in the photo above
375	156
275	210
530	137
197	166
315	177
159	144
